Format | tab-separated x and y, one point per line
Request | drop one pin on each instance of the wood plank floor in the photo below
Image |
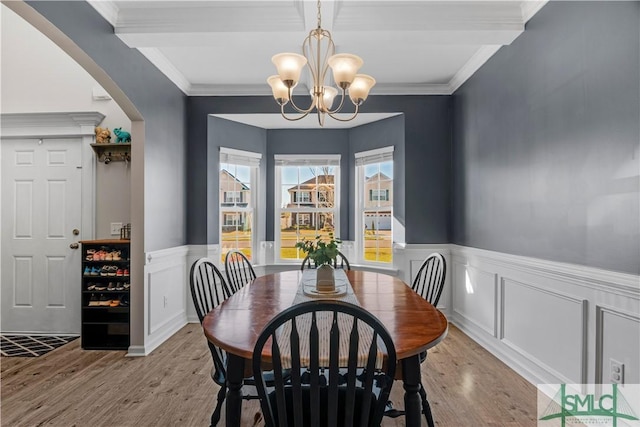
467	386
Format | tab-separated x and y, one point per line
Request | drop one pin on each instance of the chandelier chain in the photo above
319	16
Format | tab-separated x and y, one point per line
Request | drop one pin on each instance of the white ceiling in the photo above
223	48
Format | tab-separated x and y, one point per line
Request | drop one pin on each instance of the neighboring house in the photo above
233	193
378	194
317	192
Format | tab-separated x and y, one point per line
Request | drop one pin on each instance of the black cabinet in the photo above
105	294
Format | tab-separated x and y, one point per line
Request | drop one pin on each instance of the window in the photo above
231	219
302	196
238	176
377	194
303	219
374	202
307	201
233	197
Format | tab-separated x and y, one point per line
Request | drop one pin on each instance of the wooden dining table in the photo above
414	324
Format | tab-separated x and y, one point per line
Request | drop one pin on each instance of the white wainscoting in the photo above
165	299
551	322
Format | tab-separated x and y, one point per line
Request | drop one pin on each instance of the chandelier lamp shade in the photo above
318	54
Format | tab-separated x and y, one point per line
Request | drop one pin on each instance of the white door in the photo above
41	208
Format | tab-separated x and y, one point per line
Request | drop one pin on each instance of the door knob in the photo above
76	231
74	246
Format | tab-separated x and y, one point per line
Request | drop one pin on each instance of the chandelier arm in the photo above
339	107
307	52
298	109
293	119
355	113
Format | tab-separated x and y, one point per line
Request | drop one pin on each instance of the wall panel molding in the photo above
589	311
604	316
537	336
164	304
476	300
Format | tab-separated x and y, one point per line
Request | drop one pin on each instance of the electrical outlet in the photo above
115	228
616	372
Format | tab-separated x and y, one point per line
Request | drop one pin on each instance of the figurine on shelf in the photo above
103	135
123	136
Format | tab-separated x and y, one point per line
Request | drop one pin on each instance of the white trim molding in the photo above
551	322
164	303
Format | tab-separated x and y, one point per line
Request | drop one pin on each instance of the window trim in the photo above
362	159
303	160
252	160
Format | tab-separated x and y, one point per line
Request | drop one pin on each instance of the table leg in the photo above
235	377
411	379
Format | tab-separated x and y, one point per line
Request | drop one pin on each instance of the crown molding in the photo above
229	90
411	89
167	68
107	9
530	8
477	60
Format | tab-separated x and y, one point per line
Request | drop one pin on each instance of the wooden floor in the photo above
467	386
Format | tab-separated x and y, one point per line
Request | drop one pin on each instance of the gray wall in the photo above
546	141
380	134
427	160
161	103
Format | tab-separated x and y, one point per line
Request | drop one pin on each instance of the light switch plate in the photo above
115	228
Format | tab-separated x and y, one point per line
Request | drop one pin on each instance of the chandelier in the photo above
318	52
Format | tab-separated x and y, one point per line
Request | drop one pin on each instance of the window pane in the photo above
296	226
235	232
289	236
377	236
378	186
377	213
235	185
234	193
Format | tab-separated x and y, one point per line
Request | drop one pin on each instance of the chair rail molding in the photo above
513	306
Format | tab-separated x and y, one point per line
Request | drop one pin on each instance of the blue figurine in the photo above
123	135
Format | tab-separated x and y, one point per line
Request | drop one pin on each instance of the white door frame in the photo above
78	126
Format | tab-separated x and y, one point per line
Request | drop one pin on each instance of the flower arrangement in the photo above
321	252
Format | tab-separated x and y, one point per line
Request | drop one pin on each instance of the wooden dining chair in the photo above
428	283
340	261
208	290
238	270
336	393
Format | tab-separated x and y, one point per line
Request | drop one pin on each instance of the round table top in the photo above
414	324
